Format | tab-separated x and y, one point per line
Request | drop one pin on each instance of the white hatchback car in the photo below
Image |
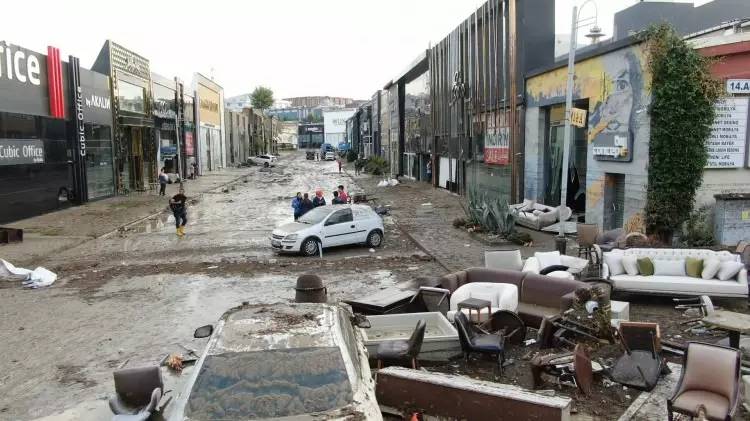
330	156
265	160
328	226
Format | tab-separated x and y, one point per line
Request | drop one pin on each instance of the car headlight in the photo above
290	237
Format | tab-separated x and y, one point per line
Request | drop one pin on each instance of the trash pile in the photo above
388	183
37	278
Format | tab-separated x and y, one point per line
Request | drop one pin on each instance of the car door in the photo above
364	223
338	229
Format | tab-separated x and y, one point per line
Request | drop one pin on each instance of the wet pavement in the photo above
131	298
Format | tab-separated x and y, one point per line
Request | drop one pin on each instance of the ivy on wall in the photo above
682	111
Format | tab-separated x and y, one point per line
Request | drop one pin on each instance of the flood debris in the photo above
37	278
402	391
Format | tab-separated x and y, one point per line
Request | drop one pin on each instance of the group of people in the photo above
301	204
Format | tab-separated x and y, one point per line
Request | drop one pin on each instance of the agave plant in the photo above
492	214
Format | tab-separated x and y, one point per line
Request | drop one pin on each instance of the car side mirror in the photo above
203	331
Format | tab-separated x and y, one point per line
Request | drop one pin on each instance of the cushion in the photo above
614	261
630	263
710	268
645	266
678	285
717	406
669	267
553	268
537	212
528	205
693	267
549	258
728	270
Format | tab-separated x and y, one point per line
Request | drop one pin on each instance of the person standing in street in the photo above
306	205
338	161
179	210
297	205
319	200
342	194
336	199
163	180
428	170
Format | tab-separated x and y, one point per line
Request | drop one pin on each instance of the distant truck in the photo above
326	147
344	147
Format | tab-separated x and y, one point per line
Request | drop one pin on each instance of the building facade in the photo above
310	136
334	123
212	153
55	133
135	150
165	113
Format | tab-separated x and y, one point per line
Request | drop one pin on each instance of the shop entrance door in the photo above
614	200
136	151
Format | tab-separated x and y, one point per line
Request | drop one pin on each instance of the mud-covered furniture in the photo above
496	296
710	380
475	341
538	295
138	391
641	364
400	350
537	216
429	299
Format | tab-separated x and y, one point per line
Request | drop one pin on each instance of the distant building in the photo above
685	17
237	103
334	123
319	101
288	135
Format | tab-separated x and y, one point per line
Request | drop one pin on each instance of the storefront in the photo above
211	142
135	152
188	135
50	145
97	116
164	110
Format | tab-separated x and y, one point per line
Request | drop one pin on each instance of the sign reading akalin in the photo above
17	152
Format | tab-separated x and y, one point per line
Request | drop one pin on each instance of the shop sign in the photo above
127	61
208	106
738	86
168	151
726	144
97	105
74	71
189	144
578	117
26	85
496	145
19	152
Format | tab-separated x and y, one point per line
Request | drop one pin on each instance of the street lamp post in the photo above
561	241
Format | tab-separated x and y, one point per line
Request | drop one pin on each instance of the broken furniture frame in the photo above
573	367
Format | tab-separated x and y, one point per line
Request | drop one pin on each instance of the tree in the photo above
682	112
262	98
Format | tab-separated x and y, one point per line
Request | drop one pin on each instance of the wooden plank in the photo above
729	320
459	397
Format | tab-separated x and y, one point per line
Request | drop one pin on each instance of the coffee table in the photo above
734	323
475	304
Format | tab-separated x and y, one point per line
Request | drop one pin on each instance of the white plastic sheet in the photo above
37	278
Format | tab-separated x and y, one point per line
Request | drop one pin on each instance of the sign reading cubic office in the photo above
726	144
17	152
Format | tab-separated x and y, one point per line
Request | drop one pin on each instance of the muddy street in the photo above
131	298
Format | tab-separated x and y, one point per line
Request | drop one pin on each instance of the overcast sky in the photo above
296	47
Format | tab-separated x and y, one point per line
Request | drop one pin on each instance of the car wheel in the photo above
374	239
265	164
309	247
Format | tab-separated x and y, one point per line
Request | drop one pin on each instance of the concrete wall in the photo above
616	85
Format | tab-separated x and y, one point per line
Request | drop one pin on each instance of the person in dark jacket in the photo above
179	209
163	180
319	200
306	205
297	205
336	199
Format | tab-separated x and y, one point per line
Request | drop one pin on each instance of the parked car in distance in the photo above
265	160
258	364
330	156
344	147
329	226
310	155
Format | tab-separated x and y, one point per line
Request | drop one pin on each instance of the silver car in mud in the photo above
283	361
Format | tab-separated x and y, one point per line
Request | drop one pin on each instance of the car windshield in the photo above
315	216
269	384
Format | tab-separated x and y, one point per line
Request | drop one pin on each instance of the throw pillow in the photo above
728	270
614	262
669	267
553	268
548	258
693	267
537	212
645	266
710	268
630	263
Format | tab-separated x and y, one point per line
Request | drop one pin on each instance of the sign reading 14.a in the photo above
738	86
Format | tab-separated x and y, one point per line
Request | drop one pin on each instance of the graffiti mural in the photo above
615	85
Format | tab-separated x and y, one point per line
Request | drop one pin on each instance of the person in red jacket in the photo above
342	194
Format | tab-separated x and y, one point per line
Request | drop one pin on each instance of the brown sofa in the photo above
538	295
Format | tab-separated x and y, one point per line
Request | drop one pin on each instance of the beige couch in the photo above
537	216
675	284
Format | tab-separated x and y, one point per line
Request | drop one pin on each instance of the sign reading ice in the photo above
726	144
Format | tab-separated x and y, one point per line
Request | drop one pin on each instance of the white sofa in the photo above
575	264
679	285
501	297
537	216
